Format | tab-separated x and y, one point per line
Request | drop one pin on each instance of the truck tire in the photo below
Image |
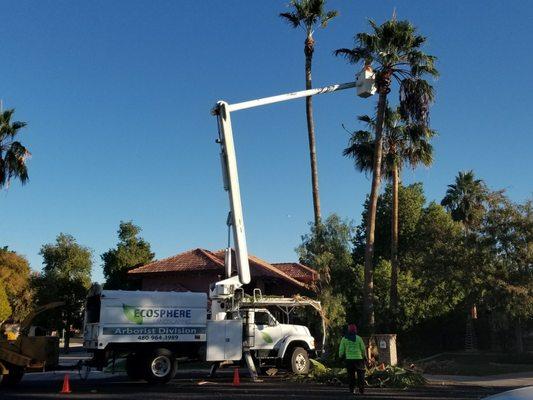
14	377
159	366
300	361
134	367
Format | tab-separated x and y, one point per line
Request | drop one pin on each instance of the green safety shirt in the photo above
352	349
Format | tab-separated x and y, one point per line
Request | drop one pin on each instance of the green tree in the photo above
402	144
435	256
430	286
430	251
411	202
327	249
395	50
464	199
15	273
309	14
506	233
5	308
131	252
66	277
13	154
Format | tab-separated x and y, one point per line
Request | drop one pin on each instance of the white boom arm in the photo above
231	184
229	167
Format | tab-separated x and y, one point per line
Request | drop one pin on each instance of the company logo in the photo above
129	312
139	315
267	338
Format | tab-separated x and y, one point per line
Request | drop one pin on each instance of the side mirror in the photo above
272	322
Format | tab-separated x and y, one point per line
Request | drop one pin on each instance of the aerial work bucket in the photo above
366	82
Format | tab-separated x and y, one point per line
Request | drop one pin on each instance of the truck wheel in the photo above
160	366
14	377
134	367
300	361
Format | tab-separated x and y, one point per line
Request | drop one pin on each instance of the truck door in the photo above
267	330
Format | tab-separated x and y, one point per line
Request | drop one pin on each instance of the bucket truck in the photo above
153	330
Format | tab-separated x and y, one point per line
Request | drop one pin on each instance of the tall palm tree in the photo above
402	144
464	199
394	51
308	14
13	154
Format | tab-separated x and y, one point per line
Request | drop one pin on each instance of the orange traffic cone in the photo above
66	385
236	378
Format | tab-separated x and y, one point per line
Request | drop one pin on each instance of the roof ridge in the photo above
271	268
211	256
164	259
197	252
300	264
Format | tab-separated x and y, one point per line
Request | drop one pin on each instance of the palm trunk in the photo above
394	243
308	50
368	291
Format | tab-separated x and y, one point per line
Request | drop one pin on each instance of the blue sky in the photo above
117	98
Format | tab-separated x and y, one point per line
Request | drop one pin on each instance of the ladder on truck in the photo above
285	304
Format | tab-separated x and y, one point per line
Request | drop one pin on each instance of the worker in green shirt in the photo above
352	348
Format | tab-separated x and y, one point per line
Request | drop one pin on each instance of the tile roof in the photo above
200	259
298	271
191	260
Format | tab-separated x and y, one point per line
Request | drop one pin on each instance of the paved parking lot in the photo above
196	386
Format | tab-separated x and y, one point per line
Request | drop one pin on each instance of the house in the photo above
196	269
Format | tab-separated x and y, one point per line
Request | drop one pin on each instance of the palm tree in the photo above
395	50
308	14
13	154
464	199
402	144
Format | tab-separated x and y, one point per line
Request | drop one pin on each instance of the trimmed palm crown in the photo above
394	49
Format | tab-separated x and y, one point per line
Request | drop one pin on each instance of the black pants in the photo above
352	366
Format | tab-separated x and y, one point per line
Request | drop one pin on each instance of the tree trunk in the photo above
308	50
494	344
519	336
394	244
67	337
368	293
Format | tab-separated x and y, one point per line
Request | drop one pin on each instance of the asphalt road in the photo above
195	386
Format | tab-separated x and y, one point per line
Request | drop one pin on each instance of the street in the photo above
194	385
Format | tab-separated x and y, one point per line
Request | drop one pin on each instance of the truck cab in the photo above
278	344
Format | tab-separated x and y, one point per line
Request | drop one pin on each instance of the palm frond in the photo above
13	154
361	150
291	18
308	14
366	119
416	96
328	17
